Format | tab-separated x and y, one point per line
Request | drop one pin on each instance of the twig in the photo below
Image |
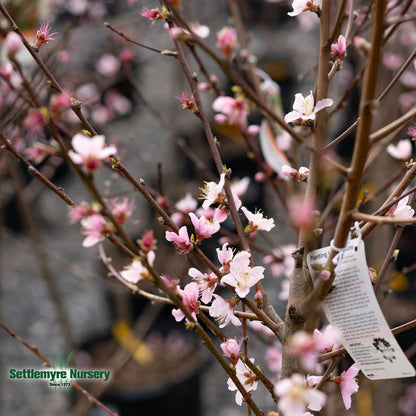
121	34
389	257
35	172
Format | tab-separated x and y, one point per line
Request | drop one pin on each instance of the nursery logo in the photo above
59	378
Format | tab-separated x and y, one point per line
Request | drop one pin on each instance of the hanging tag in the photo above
352	307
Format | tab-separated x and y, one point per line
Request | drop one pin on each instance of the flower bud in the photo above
12	44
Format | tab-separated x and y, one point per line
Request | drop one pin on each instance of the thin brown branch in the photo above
135	42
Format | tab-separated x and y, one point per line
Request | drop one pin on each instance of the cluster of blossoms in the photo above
207	220
94	226
308	347
90	152
296	394
241	278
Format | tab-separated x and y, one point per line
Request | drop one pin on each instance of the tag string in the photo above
340	250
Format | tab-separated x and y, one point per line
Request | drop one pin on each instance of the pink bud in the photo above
253	129
227	41
12	44
325	275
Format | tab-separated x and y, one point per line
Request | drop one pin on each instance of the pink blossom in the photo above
39	152
126	56
101	114
199	30
90	151
122	210
36	120
402	210
402	151
339	49
304	108
281	262
300	6
43	35
302	212
246	377
95	228
181	240
231	349
284	141
12	44
108	65
223	311
327	340
204	227
227	41
213	192
348	384
179	33
152	14
303	345
239	186
242	277
185	206
136	271
296	396
117	102
284	290
206	282
232	111
59	103
273	358
392	60
189	295
204	86
225	255
6	70
361	43
324	275
147	242
257	222
188	102
253	129
262	329
77	212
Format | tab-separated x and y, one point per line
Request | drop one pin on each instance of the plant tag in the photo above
352	307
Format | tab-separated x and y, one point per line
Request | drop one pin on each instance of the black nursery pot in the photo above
170	385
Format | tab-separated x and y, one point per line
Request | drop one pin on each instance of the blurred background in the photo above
55	293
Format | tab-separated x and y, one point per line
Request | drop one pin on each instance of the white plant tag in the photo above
352	307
